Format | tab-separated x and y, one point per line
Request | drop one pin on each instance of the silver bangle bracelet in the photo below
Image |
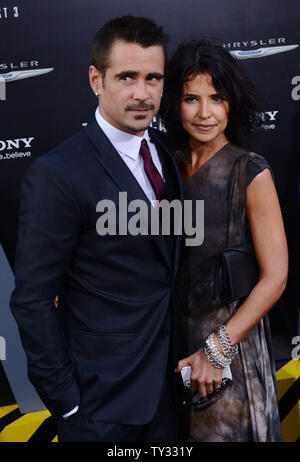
208	355
228	349
213	354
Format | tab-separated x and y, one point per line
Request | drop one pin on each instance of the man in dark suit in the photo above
103	363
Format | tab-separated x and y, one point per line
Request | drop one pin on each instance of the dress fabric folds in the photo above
248	409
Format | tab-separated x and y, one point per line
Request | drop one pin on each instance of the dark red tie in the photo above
153	174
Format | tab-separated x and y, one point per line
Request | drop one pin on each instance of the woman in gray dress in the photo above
209	109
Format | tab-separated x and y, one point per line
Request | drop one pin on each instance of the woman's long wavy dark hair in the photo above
228	77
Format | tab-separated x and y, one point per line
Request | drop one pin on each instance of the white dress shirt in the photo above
128	146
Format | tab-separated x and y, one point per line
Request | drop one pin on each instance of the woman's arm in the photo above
267	229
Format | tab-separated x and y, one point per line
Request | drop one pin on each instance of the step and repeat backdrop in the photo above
45	98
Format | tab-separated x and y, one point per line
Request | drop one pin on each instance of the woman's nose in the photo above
204	110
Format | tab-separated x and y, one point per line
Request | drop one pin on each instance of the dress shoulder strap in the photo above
236	201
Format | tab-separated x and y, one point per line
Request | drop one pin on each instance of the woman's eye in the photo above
218	98
189	99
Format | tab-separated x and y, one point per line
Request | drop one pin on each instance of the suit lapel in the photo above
174	185
117	169
113	163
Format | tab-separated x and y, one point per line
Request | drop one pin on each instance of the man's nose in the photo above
141	91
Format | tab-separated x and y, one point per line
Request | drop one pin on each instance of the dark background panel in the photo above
51	107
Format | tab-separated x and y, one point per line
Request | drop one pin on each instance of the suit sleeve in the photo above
49	227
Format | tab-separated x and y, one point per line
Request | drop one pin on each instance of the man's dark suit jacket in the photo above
107	347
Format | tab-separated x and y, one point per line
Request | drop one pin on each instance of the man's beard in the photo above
140	106
135	130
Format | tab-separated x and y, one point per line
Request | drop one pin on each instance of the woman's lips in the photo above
204	128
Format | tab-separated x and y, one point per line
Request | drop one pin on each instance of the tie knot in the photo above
145	151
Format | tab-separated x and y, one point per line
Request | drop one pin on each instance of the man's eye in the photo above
126	78
154	78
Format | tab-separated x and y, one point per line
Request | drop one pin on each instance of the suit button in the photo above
165	331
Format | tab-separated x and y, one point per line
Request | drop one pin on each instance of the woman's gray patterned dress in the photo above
247	410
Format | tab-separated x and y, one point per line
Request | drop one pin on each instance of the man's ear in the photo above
95	80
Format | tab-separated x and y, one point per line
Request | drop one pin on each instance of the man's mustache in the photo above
140	107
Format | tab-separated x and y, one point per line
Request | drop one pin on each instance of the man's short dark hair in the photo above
131	29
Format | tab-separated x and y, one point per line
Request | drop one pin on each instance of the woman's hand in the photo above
205	377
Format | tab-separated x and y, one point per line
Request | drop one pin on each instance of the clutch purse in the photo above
237	270
197	402
236	273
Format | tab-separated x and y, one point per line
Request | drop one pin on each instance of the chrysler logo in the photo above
262	52
18	75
